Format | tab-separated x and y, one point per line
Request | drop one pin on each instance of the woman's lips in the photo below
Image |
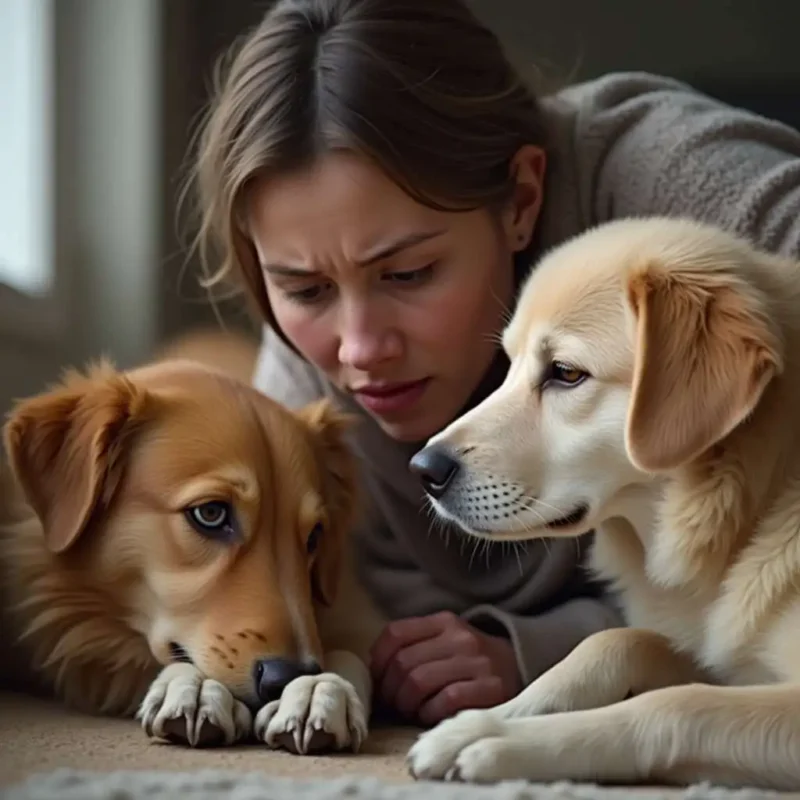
391	398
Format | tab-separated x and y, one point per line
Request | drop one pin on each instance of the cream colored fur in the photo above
676	428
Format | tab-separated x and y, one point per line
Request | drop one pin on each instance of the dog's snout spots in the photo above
249	633
494	500
487	503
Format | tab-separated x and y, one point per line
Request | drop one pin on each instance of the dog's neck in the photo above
637	505
692	522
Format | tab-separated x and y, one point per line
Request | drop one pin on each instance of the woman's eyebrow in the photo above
378	254
393	248
288	272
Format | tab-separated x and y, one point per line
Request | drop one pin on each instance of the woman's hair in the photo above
420	87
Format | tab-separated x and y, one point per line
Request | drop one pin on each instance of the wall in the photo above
740	50
107	196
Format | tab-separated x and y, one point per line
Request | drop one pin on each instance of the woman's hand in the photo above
428	668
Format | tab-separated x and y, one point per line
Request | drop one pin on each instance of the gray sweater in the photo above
623	145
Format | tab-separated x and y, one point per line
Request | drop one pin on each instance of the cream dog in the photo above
654	396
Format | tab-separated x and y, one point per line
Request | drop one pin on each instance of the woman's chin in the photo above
407	431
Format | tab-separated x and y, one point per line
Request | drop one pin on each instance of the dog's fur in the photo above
104	574
682	446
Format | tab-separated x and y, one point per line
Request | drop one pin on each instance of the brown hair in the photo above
419	86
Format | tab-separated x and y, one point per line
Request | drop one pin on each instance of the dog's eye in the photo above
564	375
212	518
313	538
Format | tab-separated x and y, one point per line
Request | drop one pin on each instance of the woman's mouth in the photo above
384	399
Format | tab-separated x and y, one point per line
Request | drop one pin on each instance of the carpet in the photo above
74	785
50	753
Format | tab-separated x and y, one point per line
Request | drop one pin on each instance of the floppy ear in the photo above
66	448
705	352
339	471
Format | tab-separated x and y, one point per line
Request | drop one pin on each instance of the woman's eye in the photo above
309	295
411	276
564	375
213	519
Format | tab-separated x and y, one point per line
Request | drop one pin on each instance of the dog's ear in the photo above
339	472
67	449
705	351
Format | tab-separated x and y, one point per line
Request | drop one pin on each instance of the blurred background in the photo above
98	102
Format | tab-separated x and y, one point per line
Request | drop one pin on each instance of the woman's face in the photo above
399	304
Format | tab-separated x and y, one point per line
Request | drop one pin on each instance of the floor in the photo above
37	736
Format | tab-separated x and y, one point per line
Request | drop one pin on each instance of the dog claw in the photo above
183	707
315	714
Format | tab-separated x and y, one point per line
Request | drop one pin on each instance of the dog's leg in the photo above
726	735
603	669
322	712
185	707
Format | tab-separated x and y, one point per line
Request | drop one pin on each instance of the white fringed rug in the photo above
66	784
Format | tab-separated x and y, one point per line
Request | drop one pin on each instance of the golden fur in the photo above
104	572
653	396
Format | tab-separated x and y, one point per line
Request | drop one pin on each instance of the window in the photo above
26	146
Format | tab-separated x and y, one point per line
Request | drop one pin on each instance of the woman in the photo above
379	179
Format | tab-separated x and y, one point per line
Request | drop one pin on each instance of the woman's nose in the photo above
366	342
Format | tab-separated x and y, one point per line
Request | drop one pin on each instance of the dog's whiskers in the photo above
435	523
530	507
179	654
515	548
560	512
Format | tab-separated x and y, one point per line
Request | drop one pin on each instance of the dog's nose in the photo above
272	675
435	468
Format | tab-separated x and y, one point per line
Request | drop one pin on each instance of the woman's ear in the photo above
522	209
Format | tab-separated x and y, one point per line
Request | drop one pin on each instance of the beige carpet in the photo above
37	736
48	753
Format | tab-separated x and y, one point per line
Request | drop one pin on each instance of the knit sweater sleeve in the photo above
663	148
283	375
542	640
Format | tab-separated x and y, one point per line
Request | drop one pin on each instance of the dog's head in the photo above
634	349
210	517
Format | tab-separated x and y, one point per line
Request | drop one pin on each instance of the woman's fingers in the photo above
461	695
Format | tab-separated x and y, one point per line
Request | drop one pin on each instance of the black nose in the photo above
272	675
435	468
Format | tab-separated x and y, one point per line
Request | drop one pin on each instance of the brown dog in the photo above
653	396
181	552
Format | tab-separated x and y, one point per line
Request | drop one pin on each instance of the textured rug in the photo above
50	753
215	785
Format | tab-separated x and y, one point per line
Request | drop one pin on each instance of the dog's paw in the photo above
315	714
183	707
435	754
